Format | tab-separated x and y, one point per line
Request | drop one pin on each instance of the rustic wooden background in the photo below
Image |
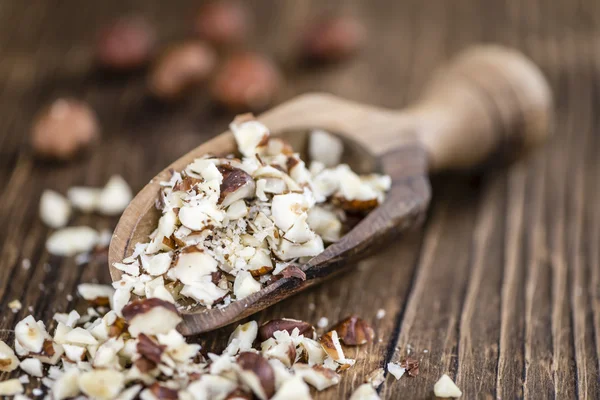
500	289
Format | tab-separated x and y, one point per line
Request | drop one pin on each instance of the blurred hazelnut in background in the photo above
222	22
126	44
246	81
181	68
332	39
64	129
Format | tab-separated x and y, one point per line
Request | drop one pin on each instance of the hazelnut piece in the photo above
237	185
125	44
246	81
354	331
180	69
150	316
222	23
163	392
64	129
257	373
333	39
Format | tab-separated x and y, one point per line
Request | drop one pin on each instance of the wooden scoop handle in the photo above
490	104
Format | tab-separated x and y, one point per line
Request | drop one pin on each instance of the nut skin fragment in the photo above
354	331
163	392
284	324
64	129
149	349
261	271
293	272
411	365
262	370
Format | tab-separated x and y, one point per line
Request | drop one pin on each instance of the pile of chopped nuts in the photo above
230	225
101	355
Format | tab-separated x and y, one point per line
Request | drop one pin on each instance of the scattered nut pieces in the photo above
55	210
100	356
446	388
246	81
353	331
333	39
222	22
180	69
72	241
365	392
125	44
64	129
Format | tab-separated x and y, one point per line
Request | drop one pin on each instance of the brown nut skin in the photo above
332	39
354	331
149	349
222	22
237	183
267	329
64	129
126	44
163	392
261	368
180	69
246	81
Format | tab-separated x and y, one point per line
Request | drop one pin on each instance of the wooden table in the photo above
501	287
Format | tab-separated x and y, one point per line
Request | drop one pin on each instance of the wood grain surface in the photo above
501	286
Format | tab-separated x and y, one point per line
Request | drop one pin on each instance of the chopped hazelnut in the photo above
62	130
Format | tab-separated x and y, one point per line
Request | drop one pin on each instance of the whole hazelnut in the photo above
63	129
246	81
333	39
126	44
181	68
222	22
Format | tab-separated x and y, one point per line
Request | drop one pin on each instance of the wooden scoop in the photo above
489	105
